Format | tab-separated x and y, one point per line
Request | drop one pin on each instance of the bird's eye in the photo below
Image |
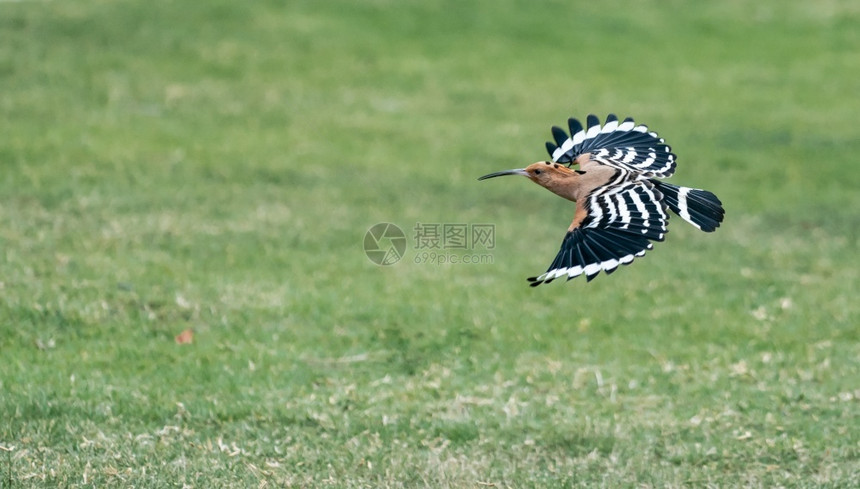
537	172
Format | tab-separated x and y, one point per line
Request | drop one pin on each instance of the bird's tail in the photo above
698	207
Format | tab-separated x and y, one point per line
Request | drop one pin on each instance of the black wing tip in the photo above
559	135
711	225
574	125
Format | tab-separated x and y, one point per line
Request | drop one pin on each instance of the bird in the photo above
621	205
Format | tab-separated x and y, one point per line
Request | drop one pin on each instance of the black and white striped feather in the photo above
623	145
699	207
622	219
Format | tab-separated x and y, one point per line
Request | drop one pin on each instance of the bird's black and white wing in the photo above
618	224
623	145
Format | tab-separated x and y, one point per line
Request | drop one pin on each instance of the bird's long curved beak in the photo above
518	171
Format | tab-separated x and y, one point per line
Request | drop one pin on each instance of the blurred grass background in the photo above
215	165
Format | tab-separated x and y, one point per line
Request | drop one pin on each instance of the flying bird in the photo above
620	204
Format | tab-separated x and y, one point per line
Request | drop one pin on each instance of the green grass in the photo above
215	165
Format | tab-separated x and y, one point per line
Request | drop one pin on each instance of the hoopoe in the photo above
621	207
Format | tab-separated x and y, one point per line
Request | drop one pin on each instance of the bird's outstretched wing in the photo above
623	145
616	224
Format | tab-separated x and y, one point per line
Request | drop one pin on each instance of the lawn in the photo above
214	167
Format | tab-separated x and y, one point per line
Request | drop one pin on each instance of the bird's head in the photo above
544	173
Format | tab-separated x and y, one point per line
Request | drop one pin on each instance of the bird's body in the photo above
621	206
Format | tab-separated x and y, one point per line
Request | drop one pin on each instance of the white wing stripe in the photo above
682	204
591	268
626	126
640	206
610	127
567	145
630	156
609	264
